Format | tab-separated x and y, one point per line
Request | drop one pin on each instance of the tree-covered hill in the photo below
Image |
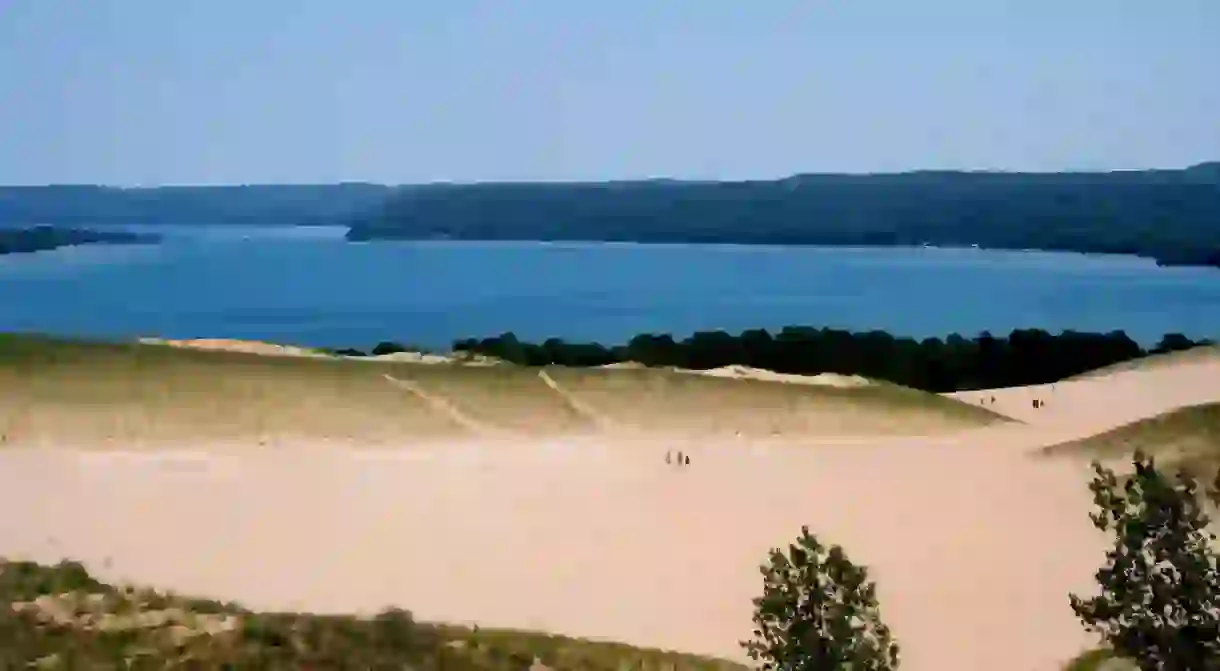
44	238
1170	215
266	204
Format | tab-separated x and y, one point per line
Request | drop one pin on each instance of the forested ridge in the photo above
261	204
44	238
1170	215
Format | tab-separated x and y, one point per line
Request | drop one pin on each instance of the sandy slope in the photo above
593	539
975	545
1092	404
54	393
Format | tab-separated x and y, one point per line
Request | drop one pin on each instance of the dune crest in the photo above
231	345
739	372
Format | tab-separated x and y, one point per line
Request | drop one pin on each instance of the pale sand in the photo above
975	545
230	345
272	349
1092	404
739	372
599	540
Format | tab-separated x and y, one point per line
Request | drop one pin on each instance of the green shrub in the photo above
818	612
1159	602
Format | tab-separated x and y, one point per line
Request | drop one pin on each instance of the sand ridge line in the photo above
1087	406
581	408
447	408
742	372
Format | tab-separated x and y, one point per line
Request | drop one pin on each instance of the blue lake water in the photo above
308	286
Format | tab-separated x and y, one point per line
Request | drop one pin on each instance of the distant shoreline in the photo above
43	238
1204	260
118	233
1166	215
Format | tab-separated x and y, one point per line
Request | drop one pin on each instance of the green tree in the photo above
818	612
1159	604
387	347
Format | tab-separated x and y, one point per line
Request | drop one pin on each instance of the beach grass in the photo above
653	399
62	617
130	394
1186	437
58	391
1100	659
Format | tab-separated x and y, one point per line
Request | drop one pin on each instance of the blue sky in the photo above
250	91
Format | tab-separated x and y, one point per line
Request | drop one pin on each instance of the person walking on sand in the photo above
679	457
687	462
669	456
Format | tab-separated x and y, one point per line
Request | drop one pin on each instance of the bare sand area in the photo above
591	538
1091	404
582	529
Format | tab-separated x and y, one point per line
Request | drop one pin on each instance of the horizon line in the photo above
1215	164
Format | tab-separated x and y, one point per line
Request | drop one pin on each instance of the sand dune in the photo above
1196	354
587	538
230	345
582	529
57	393
1187	436
1091	404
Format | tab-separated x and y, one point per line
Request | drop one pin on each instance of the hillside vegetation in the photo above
1168	215
60	617
1024	357
262	204
58	391
43	238
1186	437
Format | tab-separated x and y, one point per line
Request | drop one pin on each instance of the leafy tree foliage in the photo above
49	616
1160	588
386	347
818	612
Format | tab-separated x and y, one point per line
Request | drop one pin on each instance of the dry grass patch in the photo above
657	399
63	392
60	617
55	391
1187	437
508	397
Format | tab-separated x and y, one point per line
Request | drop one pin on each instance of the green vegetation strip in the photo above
955	363
1187	438
60	617
55	389
1100	660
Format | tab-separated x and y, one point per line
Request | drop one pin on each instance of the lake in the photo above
308	286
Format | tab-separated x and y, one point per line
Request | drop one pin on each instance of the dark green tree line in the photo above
955	363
